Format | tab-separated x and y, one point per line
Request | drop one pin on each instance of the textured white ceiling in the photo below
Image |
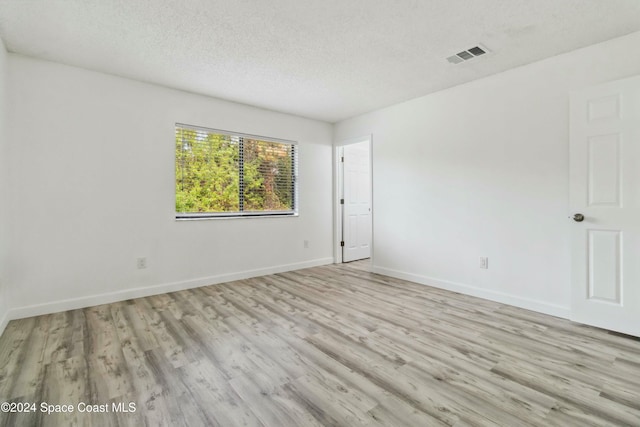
323	59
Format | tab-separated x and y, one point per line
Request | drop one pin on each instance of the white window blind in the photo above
220	173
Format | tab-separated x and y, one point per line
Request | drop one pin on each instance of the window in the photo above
227	174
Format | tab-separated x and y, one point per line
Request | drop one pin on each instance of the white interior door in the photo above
356	224
605	183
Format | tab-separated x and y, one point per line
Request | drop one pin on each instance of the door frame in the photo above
338	191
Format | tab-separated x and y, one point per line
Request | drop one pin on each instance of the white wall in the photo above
4	192
482	170
93	188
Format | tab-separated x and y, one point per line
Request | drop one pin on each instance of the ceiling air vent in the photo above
468	54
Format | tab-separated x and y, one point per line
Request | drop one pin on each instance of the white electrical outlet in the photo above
484	262
306	244
142	263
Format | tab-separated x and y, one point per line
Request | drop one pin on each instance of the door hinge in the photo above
342	201
342	159
342	243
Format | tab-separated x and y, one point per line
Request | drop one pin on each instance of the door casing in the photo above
338	194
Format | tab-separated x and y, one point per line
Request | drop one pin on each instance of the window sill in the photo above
200	217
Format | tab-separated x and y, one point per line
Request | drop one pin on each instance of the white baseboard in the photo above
526	303
106	298
4	321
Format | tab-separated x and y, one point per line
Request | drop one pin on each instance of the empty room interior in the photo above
320	213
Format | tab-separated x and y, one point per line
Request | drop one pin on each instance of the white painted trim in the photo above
338	178
4	321
526	303
338	172
89	301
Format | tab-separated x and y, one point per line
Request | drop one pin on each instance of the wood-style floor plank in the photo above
325	346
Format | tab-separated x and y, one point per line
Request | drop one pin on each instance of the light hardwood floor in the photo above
331	345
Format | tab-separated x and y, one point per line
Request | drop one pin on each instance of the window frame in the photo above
182	216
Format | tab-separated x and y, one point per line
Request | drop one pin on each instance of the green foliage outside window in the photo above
223	173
